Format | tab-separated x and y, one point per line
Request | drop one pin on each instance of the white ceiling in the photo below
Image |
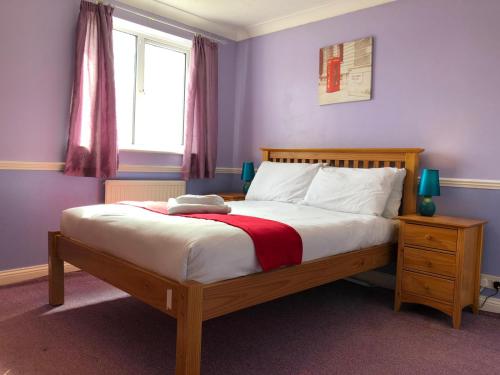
242	19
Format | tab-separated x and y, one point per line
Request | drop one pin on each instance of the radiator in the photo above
141	190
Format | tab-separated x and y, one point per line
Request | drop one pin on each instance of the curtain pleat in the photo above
200	152
92	143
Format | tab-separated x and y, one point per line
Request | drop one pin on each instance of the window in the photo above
150	81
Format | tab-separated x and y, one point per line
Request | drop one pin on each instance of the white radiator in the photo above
142	190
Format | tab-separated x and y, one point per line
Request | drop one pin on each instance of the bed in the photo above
198	290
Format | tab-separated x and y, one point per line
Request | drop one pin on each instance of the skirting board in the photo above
18	275
388	281
492	305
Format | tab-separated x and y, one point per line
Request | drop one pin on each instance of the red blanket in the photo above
276	244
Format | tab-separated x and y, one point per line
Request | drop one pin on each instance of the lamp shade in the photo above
247	171
429	183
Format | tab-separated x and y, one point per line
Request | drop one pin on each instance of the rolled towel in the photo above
211	199
174	208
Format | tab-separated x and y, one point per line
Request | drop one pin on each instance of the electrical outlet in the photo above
487	281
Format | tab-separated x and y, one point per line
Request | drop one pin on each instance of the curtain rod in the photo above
155	19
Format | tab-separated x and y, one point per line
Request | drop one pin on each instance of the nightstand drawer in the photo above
435	237
428	286
429	261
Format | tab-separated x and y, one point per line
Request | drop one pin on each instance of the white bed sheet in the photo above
207	251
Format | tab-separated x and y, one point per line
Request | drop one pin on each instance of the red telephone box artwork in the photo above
333	75
345	71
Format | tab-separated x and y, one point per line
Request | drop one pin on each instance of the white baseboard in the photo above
492	305
388	281
18	275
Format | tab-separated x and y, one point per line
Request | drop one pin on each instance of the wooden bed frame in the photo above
191	302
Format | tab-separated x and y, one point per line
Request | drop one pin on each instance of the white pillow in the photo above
282	182
353	190
394	201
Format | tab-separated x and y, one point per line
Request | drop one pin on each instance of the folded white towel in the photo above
200	199
175	208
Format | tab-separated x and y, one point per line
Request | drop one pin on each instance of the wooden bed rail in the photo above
232	295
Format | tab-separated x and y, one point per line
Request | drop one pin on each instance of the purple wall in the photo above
32	203
35	71
37	38
435	85
476	203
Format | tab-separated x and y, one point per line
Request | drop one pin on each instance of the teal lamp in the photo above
247	175
429	187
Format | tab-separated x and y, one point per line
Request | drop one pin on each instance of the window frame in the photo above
145	35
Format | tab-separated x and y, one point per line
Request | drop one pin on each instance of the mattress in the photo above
182	248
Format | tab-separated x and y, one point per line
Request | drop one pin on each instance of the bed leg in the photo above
56	273
189	327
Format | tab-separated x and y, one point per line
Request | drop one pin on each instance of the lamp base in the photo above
246	186
427	207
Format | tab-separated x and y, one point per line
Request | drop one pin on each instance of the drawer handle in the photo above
429	264
428	237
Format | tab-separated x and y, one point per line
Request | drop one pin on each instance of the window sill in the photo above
174	150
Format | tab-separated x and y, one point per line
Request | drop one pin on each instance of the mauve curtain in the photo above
92	143
200	151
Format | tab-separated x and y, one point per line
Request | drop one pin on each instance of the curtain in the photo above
92	143
200	152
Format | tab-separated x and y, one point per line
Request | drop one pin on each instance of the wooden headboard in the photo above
359	158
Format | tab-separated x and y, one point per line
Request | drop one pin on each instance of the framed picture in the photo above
345	72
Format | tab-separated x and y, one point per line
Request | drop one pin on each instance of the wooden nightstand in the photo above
232	196
439	263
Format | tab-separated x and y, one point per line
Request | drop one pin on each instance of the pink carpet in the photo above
341	328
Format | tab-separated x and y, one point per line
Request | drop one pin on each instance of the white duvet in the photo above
207	251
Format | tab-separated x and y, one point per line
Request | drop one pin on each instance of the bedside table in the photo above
232	196
439	263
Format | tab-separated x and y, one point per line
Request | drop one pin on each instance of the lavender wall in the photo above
482	204
36	64
31	204
435	86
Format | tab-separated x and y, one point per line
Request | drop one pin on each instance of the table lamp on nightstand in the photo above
247	175
429	187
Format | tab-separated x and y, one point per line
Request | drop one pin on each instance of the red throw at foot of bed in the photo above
276	244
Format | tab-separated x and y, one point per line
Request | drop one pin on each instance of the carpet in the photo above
339	328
